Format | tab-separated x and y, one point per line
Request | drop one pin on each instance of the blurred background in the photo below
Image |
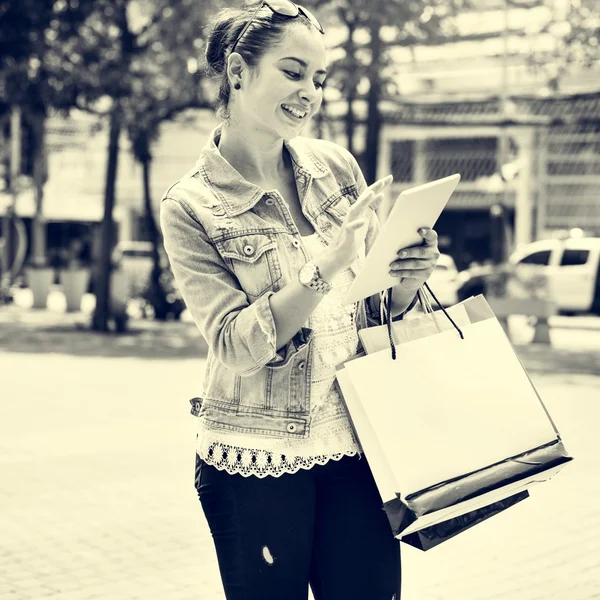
105	103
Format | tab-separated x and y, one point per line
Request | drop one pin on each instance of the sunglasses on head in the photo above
285	8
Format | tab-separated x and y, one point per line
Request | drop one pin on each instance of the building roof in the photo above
562	109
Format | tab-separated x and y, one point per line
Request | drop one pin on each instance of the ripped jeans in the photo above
324	527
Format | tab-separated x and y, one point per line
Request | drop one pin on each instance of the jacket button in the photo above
291	427
295	243
269	201
248	250
301	365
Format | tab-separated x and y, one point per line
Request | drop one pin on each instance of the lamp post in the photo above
503	146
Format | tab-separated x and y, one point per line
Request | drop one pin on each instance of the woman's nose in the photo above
309	93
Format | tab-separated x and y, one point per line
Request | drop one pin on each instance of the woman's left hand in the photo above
415	264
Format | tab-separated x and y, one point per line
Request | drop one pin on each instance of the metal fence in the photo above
553	150
569	177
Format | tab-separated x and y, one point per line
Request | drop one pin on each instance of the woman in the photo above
264	236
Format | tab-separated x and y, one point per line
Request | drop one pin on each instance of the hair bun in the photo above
220	38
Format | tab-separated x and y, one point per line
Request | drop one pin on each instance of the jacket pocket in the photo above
254	261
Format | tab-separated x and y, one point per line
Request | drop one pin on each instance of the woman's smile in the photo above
296	113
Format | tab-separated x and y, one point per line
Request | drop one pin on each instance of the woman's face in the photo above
285	89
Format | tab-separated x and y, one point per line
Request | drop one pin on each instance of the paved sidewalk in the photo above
96	460
96	456
575	345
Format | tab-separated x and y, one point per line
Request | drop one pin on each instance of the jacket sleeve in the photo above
241	335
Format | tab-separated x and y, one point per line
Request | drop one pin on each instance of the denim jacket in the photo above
231	246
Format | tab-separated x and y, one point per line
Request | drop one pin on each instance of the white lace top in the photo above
335	339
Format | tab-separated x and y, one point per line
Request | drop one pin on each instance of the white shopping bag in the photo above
452	424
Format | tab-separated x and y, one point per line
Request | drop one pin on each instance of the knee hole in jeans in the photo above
267	556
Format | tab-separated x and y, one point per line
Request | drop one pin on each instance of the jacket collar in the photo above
238	195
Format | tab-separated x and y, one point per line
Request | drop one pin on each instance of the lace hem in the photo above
261	463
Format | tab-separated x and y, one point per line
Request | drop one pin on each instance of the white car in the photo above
571	267
135	258
444	281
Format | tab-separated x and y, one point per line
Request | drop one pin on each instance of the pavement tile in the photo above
99	452
574	349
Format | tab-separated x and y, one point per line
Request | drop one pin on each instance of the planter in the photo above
75	284
39	280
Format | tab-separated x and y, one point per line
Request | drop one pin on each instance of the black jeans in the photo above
324	526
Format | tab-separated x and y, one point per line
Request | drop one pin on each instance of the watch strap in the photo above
317	283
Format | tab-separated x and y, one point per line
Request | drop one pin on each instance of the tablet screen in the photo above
414	208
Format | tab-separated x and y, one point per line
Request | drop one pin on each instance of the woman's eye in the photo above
297	76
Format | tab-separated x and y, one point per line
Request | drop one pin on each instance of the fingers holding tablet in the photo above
427	250
417	262
430	237
412	210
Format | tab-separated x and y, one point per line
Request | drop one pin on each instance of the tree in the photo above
32	78
373	30
575	27
134	56
130	52
346	73
171	84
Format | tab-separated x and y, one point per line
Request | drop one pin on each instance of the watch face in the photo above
307	273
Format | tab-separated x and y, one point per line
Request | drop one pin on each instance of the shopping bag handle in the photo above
387	314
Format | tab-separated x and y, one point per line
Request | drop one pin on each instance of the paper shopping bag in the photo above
452	426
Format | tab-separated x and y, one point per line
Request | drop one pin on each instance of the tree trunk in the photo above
350	123
157	294
107	232
38	225
350	119
373	99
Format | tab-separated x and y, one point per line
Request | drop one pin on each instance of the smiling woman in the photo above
265	235
280	98
256	36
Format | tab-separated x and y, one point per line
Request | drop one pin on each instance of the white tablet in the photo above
414	208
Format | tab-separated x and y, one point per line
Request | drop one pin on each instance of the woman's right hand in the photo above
344	250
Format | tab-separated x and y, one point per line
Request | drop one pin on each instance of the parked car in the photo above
571	267
135	258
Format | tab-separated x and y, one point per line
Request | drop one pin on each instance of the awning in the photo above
462	199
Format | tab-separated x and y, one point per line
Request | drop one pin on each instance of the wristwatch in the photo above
309	277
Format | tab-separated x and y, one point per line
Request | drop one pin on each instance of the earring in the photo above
237	85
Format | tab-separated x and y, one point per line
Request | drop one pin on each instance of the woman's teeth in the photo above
294	111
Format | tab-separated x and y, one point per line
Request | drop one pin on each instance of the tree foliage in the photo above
32	36
575	29
133	61
365	70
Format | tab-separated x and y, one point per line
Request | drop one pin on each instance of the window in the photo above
574	257
537	258
471	157
138	253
